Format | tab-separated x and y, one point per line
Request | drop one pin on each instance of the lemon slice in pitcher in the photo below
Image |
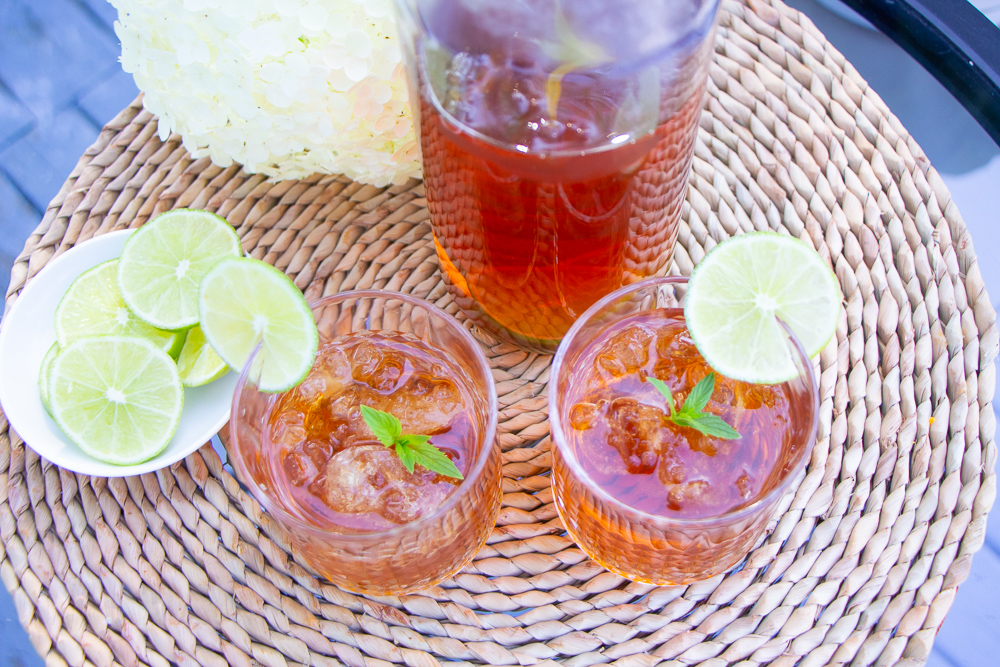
742	288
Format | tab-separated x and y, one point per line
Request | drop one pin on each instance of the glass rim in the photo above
557	430
699	26
698	29
463	489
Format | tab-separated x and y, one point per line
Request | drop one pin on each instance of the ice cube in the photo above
754	396
330	372
462	82
519	103
426	405
287	428
341	417
354	478
678	360
298	467
311	388
302	411
745	485
674	342
333	420
347	404
319	452
379	367
699	442
671	468
371	478
401	503
636	431
551	129
724	394
688	495
584	416
627	352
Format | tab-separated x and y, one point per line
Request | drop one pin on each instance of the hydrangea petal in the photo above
285	87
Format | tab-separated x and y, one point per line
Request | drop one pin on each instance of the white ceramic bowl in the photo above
25	337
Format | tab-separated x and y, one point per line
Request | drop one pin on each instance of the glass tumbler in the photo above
636	522
556	140
391	559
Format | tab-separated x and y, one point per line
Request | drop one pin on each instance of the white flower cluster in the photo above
287	88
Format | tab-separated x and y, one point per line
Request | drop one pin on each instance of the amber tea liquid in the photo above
545	198
619	432
344	502
327	463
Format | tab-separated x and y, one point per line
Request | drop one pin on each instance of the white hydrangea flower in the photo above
286	88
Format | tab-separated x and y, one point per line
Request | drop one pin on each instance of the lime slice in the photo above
117	397
742	287
43	376
163	263
198	363
244	302
93	306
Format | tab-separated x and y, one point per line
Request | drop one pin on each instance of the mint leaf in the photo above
698	398
405	455
684	419
707	423
411	448
434	459
383	425
411	440
715	426
691	415
665	390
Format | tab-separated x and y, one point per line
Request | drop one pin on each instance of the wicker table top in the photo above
182	566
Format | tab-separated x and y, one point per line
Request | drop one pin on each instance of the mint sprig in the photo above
411	449
691	414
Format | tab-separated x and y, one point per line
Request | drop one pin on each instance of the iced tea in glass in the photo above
648	498
556	140
351	506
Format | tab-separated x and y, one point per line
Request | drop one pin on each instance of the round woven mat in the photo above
181	566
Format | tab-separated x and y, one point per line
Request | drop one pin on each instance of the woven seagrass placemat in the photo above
182	566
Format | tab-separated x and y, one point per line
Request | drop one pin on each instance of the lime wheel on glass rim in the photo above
244	303
743	289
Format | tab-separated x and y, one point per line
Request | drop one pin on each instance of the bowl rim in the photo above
33	428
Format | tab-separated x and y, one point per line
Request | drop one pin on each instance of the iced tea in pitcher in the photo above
556	141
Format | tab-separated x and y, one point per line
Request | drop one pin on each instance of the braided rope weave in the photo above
182	566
